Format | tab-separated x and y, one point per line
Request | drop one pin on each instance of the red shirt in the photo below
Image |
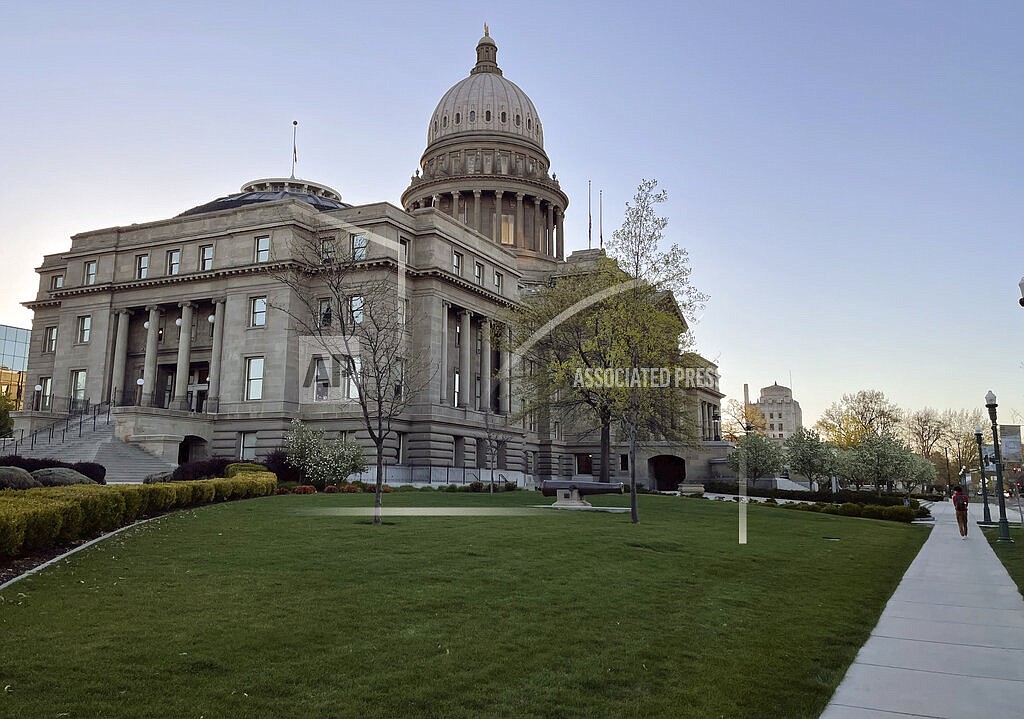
959	495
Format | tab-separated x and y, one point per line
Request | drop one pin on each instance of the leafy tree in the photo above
656	276
921	473
848	422
756	456
810	456
885	460
6	423
319	460
737	418
925	428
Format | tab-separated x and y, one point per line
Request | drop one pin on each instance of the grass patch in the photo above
1011	555
255	609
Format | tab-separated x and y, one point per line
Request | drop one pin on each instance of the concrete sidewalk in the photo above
950	642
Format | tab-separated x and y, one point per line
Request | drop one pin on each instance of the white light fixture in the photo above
211	319
977	429
990	398
140	381
177	322
39	388
146	324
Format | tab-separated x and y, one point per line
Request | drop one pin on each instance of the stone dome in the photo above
486	103
321	197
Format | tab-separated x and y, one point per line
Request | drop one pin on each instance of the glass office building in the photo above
13	361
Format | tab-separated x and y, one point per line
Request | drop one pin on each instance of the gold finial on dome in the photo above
487	31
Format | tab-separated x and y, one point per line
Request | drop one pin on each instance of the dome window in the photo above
487	116
458	117
504	117
444	121
529	123
472	115
435	125
518	120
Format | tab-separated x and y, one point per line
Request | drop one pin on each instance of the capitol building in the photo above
181	326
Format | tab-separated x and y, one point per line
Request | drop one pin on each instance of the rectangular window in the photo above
508	236
258	312
401	447
322	382
324	314
45	394
254	378
262	250
50	339
247	445
141	267
84	328
457	386
405	248
173	262
498	278
356	305
56	282
478	273
328	250
206	258
89	275
457	263
624	462
78	389
359	247
353	379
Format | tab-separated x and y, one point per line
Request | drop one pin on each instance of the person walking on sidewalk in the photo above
960	505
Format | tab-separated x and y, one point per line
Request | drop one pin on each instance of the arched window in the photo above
518	120
444	121
487	116
529	123
435	125
504	117
472	115
458	117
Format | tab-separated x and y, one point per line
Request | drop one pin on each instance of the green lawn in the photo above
1011	555
253	609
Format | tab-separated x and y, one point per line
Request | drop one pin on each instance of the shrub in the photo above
304	489
476	486
96	472
277	462
511	486
898	514
849	509
283	490
332	489
202	469
350	489
319	459
236	468
451	488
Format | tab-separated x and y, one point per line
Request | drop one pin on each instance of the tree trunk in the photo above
606	447
377	504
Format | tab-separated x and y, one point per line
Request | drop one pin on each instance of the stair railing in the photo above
80	411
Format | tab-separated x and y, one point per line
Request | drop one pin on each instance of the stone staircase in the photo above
125	463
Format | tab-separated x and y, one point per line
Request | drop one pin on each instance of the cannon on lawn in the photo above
570	494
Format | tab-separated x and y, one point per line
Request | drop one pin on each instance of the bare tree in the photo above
925	429
345	293
738	418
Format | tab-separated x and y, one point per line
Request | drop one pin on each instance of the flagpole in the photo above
295	151
600	217
590	220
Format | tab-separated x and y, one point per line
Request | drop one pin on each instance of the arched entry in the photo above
667	471
191	448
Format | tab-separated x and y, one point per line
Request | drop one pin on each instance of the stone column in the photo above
120	357
180	398
520	237
149	367
485	365
444	352
560	219
549	242
435	202
465	359
455	204
213	389
499	198
538	232
506	372
476	210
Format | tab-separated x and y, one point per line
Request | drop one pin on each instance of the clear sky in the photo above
847	176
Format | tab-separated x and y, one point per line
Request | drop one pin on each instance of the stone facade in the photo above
782	413
182	327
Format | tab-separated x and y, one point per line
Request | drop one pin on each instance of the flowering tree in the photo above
322	461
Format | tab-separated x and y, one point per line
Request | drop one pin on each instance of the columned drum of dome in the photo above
485	166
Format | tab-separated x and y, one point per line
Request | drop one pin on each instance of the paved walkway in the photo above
950	643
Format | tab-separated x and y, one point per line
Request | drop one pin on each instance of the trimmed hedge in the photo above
842	496
866	511
34	519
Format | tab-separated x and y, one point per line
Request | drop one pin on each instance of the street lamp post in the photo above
1004	527
984	479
